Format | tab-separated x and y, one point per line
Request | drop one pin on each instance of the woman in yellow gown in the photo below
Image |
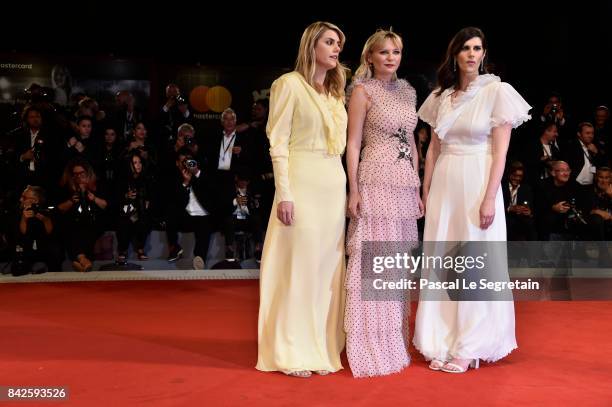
302	268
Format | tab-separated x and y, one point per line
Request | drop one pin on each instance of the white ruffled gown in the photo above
467	329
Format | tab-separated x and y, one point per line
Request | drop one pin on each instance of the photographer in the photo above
83	210
173	113
133	196
228	152
107	156
35	240
560	206
600	206
80	143
139	141
241	211
189	208
584	155
540	153
553	111
518	201
185	137
34	150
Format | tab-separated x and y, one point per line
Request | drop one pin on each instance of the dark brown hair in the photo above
447	75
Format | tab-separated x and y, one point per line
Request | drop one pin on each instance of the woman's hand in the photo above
284	212
354	204
421	204
487	213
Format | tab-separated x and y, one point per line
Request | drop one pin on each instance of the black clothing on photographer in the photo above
189	208
554	223
262	172
575	155
134	221
37	244
600	227
536	169
241	218
83	224
519	227
43	169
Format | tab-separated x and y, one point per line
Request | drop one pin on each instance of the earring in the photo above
455	65
482	65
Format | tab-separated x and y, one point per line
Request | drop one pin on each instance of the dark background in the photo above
536	46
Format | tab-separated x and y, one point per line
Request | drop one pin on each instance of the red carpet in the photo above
193	343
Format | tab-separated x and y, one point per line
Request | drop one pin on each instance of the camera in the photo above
190	163
574	215
37	208
189	141
180	100
554	108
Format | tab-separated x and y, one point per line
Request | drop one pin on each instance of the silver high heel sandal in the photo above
455	368
436	364
299	373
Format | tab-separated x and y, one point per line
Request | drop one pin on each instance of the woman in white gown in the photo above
471	116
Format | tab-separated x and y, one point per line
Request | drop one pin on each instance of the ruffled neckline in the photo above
473	88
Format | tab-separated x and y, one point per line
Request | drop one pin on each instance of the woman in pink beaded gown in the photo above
384	202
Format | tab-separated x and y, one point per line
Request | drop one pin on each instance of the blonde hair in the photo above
365	69
335	79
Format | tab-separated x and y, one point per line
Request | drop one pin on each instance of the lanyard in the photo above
225	149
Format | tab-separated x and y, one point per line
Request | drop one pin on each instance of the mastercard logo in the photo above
204	99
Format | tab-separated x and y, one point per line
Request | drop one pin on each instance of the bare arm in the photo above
430	161
357	110
501	139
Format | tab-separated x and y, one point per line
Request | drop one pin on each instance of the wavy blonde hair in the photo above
366	70
335	79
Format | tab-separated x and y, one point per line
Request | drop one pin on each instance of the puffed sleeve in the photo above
509	107
280	118
429	109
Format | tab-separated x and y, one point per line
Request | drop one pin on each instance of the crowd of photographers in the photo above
71	174
74	173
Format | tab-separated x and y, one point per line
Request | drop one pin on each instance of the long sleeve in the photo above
282	104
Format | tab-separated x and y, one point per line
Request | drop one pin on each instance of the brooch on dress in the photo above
404	152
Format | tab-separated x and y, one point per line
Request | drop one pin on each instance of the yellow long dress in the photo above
301	308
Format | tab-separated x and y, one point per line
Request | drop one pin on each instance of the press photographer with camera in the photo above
185	137
174	112
561	206
83	212
241	211
36	248
133	196
553	111
189	207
